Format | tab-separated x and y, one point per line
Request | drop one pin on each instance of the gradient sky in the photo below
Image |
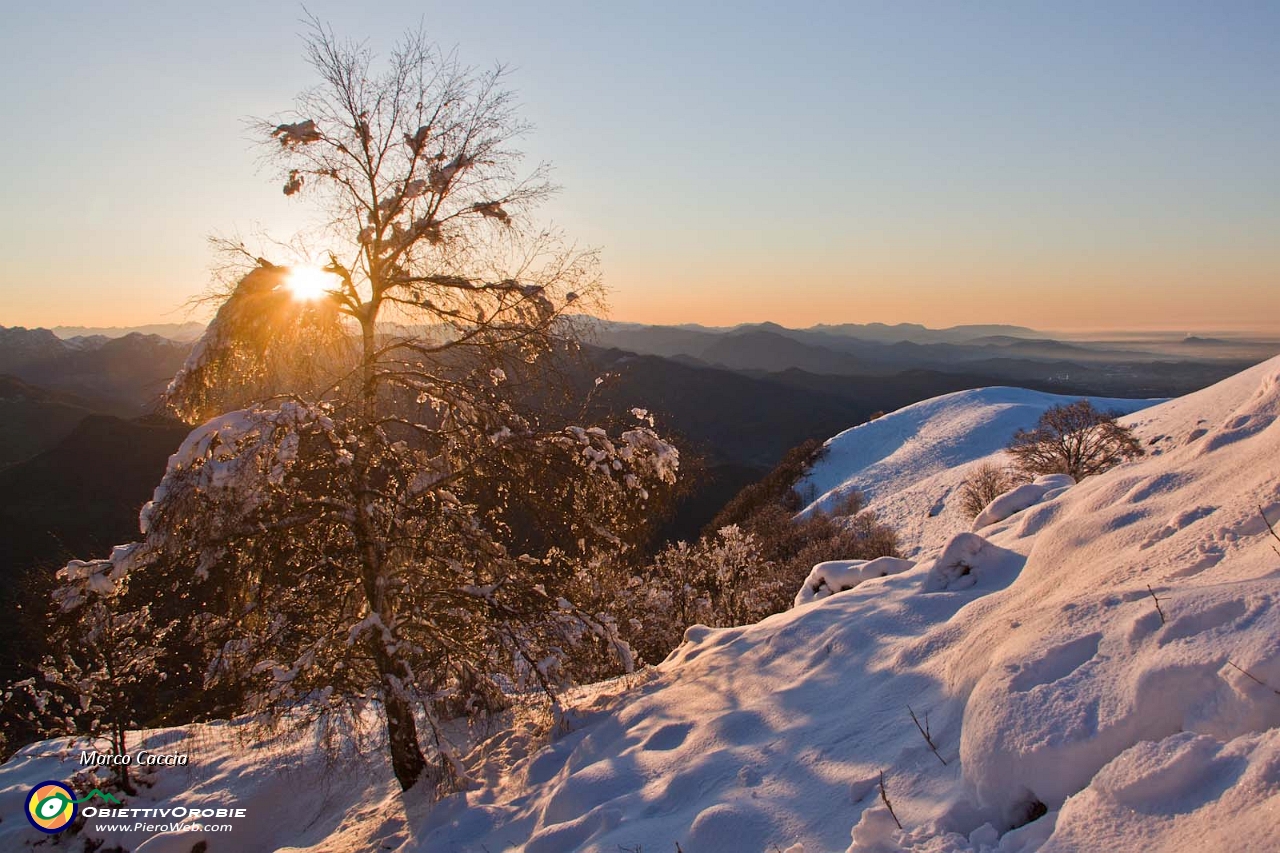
1069	165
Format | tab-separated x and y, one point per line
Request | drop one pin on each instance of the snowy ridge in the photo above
909	463
1068	713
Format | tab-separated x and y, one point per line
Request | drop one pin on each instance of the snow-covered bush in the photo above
720	580
106	661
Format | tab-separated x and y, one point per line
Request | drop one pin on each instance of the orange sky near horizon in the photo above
1068	299
934	291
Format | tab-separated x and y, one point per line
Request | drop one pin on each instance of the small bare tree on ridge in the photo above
1074	439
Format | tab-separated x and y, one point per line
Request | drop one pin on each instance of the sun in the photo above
307	284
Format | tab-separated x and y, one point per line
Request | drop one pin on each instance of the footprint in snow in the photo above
1191	624
1206	555
1235	430
669	737
1056	664
1180	521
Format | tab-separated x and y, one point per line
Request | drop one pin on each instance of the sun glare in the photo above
309	283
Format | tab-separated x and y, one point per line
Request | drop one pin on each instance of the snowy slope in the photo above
910	463
1032	649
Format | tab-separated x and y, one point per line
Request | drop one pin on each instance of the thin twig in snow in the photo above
1270	529
924	733
1247	674
884	797
1156	598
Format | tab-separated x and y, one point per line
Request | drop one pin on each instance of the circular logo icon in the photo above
51	806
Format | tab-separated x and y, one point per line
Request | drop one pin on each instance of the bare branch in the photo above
1270	529
1252	677
924	733
884	798
1156	599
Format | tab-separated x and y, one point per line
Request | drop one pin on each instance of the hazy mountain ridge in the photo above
1155	367
121	375
33	418
188	331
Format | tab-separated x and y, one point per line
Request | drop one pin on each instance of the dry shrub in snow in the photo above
720	580
985	483
744	572
847	531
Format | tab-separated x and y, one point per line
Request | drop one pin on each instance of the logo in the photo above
51	806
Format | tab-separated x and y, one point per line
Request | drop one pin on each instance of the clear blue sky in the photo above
1068	165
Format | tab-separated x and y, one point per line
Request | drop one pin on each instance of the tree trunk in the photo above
402	730
119	732
122	770
402	735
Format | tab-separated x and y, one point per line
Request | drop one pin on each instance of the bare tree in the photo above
379	510
1074	439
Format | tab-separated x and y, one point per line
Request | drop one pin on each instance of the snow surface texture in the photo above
909	464
1071	713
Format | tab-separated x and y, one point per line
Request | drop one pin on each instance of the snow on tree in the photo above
107	657
720	580
380	509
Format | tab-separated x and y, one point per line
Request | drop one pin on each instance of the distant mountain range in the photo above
1009	355
122	375
884	332
172	331
880	349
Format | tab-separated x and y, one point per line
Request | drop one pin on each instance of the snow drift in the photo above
1070	710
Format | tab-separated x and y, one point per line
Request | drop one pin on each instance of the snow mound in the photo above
834	576
969	560
1185	792
1022	497
1095	672
909	464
